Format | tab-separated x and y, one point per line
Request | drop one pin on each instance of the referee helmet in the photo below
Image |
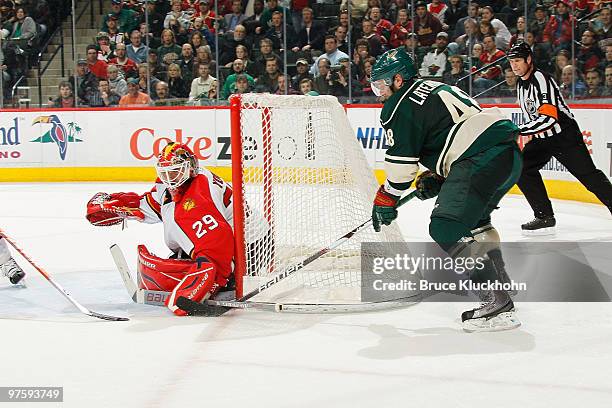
520	50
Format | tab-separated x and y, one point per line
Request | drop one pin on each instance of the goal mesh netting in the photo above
301	181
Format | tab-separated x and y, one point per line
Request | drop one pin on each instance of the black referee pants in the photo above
569	149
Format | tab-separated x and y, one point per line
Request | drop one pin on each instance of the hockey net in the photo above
301	181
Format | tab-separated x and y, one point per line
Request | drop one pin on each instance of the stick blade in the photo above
198	309
108	317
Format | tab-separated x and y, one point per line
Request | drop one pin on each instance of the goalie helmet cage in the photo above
300	182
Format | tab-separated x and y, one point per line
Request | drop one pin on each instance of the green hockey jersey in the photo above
436	124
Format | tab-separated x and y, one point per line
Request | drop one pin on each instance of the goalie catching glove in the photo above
109	209
428	185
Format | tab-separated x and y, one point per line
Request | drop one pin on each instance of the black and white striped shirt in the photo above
544	109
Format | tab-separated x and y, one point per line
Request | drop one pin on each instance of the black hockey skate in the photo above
540	226
11	270
495	314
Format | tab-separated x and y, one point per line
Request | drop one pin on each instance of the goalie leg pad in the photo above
196	286
155	273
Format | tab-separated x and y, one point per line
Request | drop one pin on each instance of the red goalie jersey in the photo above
195	207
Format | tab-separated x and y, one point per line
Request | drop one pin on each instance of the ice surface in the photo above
418	356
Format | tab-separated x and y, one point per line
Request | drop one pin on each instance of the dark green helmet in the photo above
396	61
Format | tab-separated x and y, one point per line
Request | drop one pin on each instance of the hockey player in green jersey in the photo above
473	160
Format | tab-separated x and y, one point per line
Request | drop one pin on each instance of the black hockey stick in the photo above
57	286
192	307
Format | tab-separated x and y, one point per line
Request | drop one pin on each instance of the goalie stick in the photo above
205	308
57	286
142	296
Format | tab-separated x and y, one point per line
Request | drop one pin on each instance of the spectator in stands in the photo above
65	99
473	12
306	86
508	88
104	97
121	60
134	96
311	35
400	30
321	84
562	59
268	81
204	56
456	72
541	52
589	55
301	66
571	85
176	15
364	80
146	80
164	97
474	61
607	59
127	18
230	41
559	28
241	85
284	86
486	28
374	40
411	45
438	9
155	68
235	18
200	86
502	34
23	28
104	47
608	77
453	14
492	75
115	36
358	8
208	16
519	36
186	63
116	83
176	83
155	18
204	35
339	80
265	51
168	51
341	39
393	10
253	23
361	53
593	82
382	27
137	51
426	25
602	23
435	62
471	37
237	69
332	54
277	32
96	66
539	22
266	16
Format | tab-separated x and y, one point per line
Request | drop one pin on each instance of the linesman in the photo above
555	133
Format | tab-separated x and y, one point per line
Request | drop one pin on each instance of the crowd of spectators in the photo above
24	25
181	51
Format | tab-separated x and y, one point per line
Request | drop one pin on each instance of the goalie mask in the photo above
176	164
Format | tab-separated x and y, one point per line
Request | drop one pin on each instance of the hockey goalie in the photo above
195	207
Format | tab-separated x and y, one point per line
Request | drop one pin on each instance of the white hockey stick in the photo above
142	296
57	286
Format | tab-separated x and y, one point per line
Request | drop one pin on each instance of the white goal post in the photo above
301	181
